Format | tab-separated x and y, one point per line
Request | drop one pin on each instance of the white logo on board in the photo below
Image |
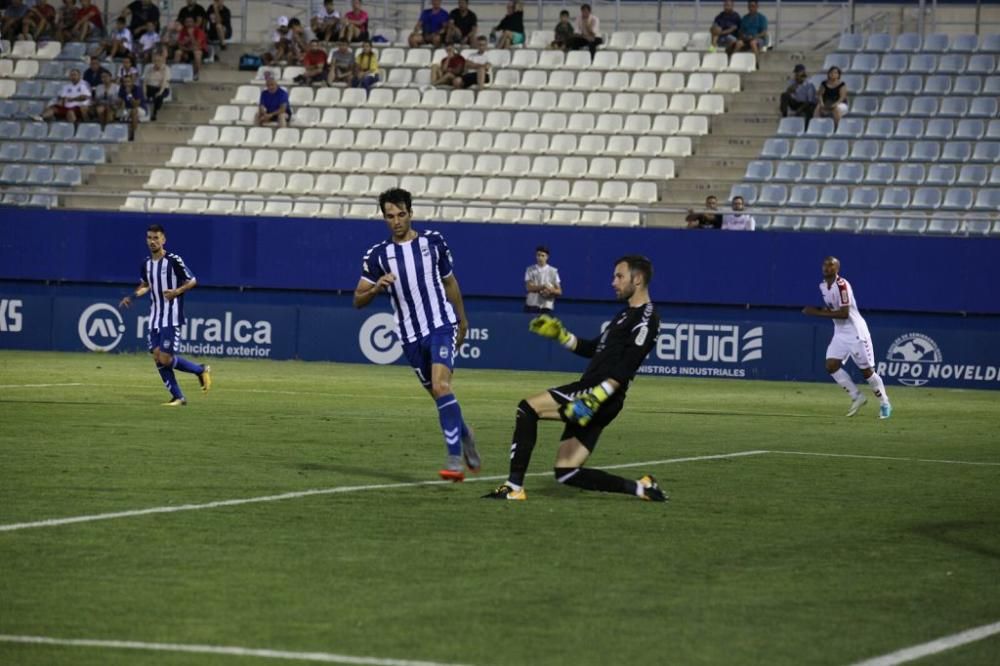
101	327
379	340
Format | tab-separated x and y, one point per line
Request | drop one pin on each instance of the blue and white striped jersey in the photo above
168	272
417	295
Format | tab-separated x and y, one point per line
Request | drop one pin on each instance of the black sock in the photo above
594	479
525	435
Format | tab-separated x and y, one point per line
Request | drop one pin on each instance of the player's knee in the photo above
440	389
565	474
832	365
526	411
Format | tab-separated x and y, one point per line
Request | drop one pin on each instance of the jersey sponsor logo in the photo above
379	340
100	327
709	343
443	351
845	299
640	339
11	319
915	359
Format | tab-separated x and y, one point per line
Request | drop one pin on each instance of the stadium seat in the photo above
587	190
864	63
649	41
981	63
958	198
956	151
911	174
864	197
805	149
926	197
687	62
818	172
833	196
879	173
988	199
864	106
759	170
38	152
987	151
893	63
865	150
967	85
895	151
936	42
775	149
603	61
848	224
941	174
973	175
895	197
788	172
748	192
803	196
984	107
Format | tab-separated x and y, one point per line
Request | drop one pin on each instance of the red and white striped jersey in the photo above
837	295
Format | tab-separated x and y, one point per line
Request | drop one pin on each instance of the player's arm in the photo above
454	296
171	294
366	291
138	292
842	312
548	326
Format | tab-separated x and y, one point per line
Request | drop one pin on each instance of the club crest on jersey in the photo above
443	351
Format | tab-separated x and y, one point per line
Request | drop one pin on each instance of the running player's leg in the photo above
164	364
178	362
837	351
441	356
864	357
543	406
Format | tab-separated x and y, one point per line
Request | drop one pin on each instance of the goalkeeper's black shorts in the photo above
588	434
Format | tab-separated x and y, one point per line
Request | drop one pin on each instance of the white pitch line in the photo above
933	647
901	459
9	386
55	522
324	657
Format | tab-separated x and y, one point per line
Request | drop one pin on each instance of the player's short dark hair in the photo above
542	248
563	13
397	196
587	7
156	228
638	264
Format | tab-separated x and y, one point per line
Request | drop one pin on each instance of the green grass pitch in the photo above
772	558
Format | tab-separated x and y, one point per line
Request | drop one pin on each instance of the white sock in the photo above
844	379
878	388
640	490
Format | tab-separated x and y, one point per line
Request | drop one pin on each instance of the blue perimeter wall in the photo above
729	301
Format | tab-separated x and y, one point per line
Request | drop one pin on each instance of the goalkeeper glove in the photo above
582	410
548	326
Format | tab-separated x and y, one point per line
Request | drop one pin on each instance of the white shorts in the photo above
857	349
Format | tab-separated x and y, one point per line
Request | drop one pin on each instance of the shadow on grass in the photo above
966	535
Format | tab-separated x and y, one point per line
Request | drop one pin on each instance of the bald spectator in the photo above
74	101
274	106
477	67
463	25
588	32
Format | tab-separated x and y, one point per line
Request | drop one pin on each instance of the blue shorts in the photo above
438	347
165	338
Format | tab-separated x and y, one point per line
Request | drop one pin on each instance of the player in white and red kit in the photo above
851	338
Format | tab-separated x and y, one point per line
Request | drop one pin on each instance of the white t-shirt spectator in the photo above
593	22
148	41
546	276
477	58
738	222
71	90
323	17
107	94
124	36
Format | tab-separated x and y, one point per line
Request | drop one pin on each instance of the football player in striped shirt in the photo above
851	339
415	269
166	278
589	405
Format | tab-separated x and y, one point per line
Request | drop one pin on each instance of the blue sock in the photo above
170	381
185	365
450	415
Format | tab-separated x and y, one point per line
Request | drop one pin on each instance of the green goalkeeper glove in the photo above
548	326
582	410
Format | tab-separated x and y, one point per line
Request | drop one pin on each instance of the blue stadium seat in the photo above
11	151
820	128
973	175
819	172
941	174
835	149
893	63
865	63
981	63
855	82
759	170
925	151
909	128
65	153
34	131
88	132
936	42
51	70
967	85
8	108
940	128
926	197
908	84
993	129
991	86
938	84
841	60
908	42
43	201
964	43
990	43
952	63
970	129
879	173
833	196
879	84
775	149
850	128
772	195
956	151
182	73
785	223
850	173
863	197
68	176
988	199
805	149
984	107
911	174
17	198
879	128
788	172
896	106
60	131
879	42
93	154
958	198
977	227
748	192
851	42
863	105
115	133
822	223
923	63
995	175
803	196
51	89
987	151
72	51
956	107
943	224
38	152
9	129
911	225
40	175
880	224
924	107
792	127
31	107
864	150
28	89
895	197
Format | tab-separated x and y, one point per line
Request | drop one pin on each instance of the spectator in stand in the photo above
74	103
431	26
94	74
463	25
563	32
274	106
140	13
89	22
220	24
149	44
354	27
170	39
725	27
65	20
298	42
832	97
541	281
326	23
119	41
281	44
510	30
40	20
451	67
157	80
107	103
314	61
588	32
477	67
342	65
13	20
128	68
799	98
192	10
192	43
366	71
133	103
710	218
752	35
739	219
